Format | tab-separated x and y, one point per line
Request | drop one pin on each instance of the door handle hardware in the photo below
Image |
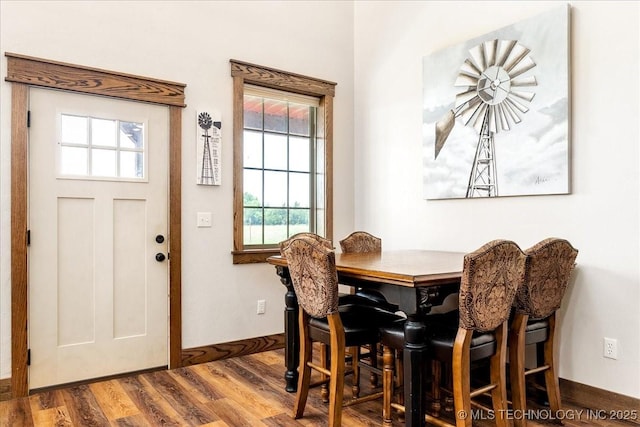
160	257
159	238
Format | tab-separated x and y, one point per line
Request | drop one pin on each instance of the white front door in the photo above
97	218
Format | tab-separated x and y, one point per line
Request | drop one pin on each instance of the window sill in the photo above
250	256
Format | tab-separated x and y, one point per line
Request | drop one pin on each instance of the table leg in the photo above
291	332
415	358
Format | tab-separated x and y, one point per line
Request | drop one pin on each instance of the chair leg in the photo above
551	374
461	367
387	385
516	367
436	392
355	358
336	383
304	371
373	359
324	362
499	377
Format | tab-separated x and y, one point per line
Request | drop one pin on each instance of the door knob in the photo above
160	257
159	238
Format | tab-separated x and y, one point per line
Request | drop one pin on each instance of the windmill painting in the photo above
208	149
496	112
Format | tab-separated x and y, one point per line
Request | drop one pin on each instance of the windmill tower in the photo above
491	101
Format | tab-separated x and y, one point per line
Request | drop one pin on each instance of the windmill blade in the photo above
503	118
479	116
522	67
524	81
527	96
466	80
517	54
468	114
490	48
469	65
511	112
491	120
477	56
504	50
516	104
464	97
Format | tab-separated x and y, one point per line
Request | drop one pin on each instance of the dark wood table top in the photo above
410	268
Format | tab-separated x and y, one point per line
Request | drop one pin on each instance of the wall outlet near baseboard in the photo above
610	348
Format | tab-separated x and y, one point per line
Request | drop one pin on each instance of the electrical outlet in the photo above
204	219
262	306
610	348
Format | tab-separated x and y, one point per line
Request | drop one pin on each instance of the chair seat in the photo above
441	338
370	298
361	325
536	331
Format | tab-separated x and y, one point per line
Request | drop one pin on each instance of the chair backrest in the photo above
361	241
324	242
551	262
491	277
312	267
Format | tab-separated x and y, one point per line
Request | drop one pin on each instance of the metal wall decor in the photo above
208	149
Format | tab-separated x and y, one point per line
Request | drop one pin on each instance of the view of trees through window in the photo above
278	140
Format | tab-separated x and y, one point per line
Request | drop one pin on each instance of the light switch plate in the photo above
204	219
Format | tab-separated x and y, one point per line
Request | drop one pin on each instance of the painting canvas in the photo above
496	112
208	146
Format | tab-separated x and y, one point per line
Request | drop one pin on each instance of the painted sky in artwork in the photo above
533	156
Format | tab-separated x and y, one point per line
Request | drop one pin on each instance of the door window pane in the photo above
103	132
114	148
73	161
73	129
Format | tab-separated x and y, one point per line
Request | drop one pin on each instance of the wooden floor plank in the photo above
237	392
113	400
83	407
190	409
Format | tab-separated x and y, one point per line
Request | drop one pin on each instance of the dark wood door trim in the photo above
23	72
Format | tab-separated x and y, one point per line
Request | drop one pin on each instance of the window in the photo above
282	159
100	148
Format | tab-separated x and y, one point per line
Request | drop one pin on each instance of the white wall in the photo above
192	42
600	217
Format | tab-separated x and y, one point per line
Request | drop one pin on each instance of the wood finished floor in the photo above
243	391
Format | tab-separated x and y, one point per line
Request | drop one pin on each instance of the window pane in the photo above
252	150
299	119
275	115
299	190
275	221
252	187
131	135
103	163
131	164
73	129
275	189
298	221
252	226
252	112
299	154
275	151
73	161
103	132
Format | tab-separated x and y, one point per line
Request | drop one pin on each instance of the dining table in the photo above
415	280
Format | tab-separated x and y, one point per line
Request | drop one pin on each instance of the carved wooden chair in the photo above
551	262
490	279
321	319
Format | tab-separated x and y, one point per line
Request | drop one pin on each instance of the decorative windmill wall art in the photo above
208	149
496	112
